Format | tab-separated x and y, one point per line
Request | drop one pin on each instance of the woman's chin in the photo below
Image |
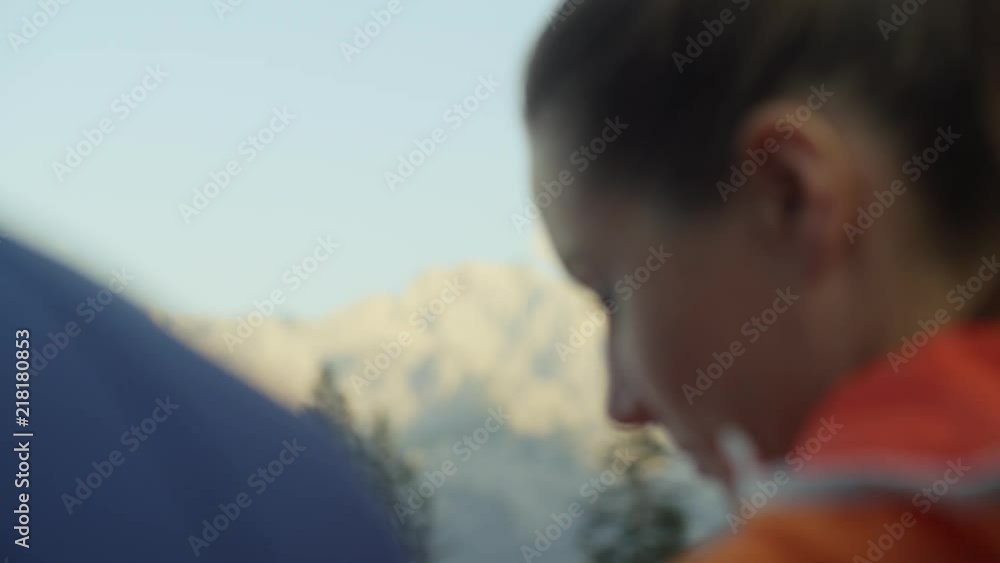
709	466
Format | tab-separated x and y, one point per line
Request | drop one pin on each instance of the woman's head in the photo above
820	172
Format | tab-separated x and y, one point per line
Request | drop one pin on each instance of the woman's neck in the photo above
990	310
985	305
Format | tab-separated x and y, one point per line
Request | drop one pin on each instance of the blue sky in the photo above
323	174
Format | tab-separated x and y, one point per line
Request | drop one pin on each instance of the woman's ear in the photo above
801	185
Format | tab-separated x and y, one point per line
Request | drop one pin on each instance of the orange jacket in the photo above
900	463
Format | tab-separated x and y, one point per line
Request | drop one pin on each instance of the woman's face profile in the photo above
681	295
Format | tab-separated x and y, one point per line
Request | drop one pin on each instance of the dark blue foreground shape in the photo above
144	453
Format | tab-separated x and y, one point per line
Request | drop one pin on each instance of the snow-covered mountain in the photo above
466	366
489	330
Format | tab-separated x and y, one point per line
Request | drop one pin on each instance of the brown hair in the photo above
915	65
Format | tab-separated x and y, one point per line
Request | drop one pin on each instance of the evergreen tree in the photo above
633	521
396	476
379	460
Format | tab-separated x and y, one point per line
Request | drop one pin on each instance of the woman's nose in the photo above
625	405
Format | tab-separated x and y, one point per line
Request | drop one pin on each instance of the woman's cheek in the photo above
661	356
641	346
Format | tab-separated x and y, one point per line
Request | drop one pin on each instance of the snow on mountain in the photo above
495	324
457	347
